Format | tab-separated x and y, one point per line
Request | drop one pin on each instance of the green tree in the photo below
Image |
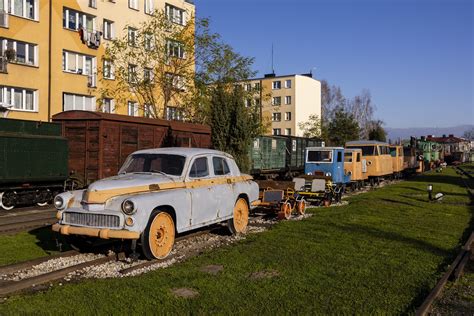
342	128
377	132
314	127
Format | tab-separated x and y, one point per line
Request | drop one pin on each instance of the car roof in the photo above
183	151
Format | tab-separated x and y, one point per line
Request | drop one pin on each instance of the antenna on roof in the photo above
273	69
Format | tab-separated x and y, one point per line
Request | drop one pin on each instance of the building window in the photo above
108	105
132	73
19	98
256	86
276	117
148	110
288	83
287	131
132	36
73	19
173	113
93	4
247	87
109	29
276	85
248	103
78	63
78	102
277	131
276	101
148	75
23	8
257	101
288	99
149	41
24	53
132	108
288	116
175	49
108	69
133	4
175	14
149	6
176	81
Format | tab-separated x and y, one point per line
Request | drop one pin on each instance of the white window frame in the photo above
75	101
11	105
78	56
287	131
111	105
80	18
108	24
288	116
288	99
132	69
107	64
170	48
276	117
149	6
277	131
4	46
175	14
276	85
274	99
132	108
10	8
173	113
288	84
134	4
93	4
132	41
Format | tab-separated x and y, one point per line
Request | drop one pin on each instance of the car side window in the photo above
199	168
220	166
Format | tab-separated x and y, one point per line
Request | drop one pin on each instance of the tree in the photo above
362	108
313	127
342	128
153	64
469	134
377	132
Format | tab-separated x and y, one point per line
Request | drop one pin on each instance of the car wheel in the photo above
158	238
300	207
238	223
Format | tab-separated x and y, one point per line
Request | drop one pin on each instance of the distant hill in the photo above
405	133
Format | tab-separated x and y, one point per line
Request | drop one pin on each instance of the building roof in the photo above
270	76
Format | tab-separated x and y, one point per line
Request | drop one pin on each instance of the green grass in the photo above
382	253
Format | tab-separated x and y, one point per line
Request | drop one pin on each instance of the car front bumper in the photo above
103	233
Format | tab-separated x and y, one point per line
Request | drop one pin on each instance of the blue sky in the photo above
415	56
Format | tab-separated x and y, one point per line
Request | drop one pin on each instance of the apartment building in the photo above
286	101
51	52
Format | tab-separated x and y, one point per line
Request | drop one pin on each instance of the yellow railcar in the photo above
356	166
377	156
396	152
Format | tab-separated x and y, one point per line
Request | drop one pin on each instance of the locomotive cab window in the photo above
319	156
358	157
347	157
220	166
368	150
393	152
339	156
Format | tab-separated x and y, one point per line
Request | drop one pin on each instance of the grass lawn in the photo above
382	253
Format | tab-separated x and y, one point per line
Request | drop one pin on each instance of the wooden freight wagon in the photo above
99	142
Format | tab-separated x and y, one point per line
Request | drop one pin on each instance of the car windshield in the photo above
155	163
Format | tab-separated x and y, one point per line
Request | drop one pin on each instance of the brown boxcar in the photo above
100	142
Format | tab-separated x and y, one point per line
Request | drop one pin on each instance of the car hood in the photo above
102	190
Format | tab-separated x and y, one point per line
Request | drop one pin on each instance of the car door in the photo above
199	183
223	190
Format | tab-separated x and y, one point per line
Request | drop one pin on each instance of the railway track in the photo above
456	269
25	219
8	274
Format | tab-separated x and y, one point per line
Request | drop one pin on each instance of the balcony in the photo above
3	18
3	65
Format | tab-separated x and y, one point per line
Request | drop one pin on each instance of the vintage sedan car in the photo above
158	193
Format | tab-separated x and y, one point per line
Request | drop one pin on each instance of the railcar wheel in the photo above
5	202
285	211
300	207
238	223
158	238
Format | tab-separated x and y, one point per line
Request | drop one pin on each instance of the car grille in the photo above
92	220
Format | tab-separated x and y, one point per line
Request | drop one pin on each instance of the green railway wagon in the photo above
268	155
33	164
295	151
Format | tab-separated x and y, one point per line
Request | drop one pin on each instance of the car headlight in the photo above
328	174
59	202
128	207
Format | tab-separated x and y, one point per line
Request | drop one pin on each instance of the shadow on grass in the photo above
46	239
399	202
